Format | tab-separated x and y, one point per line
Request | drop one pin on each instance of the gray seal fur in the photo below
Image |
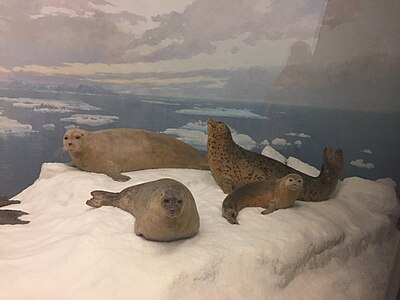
165	209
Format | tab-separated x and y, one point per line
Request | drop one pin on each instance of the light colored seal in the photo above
165	209
112	151
232	166
270	194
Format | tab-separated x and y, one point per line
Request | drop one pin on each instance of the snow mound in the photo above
339	249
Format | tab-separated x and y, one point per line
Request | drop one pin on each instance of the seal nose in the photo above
69	144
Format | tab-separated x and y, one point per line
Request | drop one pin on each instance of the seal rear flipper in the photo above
10	217
102	198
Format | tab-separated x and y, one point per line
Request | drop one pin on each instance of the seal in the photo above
269	194
165	209
9	216
112	151
233	166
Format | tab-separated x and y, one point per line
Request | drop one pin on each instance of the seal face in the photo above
112	151
165	209
233	166
269	194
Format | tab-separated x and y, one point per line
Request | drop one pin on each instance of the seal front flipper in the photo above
271	208
102	198
230	215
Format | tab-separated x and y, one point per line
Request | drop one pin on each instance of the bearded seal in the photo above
8	216
165	209
232	166
112	151
270	194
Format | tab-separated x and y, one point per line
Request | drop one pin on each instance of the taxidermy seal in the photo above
233	166
8	216
112	151
270	194
165	209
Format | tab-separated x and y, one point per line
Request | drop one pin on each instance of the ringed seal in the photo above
112	151
165	209
270	194
233	166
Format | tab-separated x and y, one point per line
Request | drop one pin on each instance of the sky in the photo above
179	43
222	49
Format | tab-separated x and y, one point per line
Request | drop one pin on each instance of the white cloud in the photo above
90	120
265	143
361	164
298	143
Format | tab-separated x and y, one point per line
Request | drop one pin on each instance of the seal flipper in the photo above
102	198
11	217
230	215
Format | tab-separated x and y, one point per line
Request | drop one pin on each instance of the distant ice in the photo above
361	164
90	120
272	153
221	112
195	134
367	151
49	105
161	102
264	143
292	162
301	135
49	127
298	143
10	127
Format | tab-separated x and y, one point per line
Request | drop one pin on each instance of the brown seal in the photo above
165	209
232	166
112	151
270	194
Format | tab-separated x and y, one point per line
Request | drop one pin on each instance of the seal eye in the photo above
299	181
180	201
166	200
66	138
77	137
290	179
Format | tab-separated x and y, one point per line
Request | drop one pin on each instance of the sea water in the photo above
370	141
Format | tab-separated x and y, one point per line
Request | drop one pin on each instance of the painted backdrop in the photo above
294	75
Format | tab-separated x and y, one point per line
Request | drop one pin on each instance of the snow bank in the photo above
338	249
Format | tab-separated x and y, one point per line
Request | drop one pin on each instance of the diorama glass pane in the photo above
299	82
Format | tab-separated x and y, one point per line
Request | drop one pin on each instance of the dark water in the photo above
22	157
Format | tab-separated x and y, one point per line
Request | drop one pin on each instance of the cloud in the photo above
361	164
90	120
49	127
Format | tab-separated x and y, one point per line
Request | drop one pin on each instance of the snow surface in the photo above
342	248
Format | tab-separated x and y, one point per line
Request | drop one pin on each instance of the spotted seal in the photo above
112	151
165	209
232	166
270	194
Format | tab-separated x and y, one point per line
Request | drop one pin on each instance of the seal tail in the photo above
230	215
102	198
